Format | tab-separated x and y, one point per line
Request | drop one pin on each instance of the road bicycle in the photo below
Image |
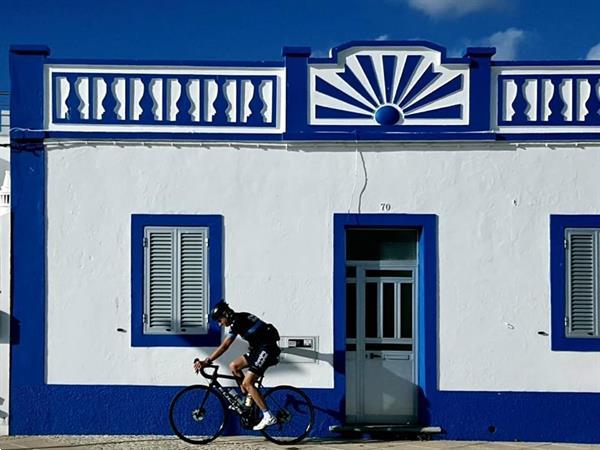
198	413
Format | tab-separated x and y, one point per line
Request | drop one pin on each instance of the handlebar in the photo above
203	372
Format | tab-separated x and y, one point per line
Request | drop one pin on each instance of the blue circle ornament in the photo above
387	115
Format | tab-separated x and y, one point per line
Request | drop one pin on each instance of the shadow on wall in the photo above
10	329
309	354
3	414
4	166
4	328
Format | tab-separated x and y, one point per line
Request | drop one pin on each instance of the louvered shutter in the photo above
582	283
192	284
175	280
158	279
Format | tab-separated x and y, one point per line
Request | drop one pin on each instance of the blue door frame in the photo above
426	304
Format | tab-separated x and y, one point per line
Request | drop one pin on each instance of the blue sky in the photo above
258	29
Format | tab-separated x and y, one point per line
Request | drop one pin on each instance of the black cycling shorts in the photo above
261	358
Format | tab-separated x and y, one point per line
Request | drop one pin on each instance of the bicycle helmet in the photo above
221	309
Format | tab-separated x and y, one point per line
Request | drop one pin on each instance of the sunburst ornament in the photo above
389	86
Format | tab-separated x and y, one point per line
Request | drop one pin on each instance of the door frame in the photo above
426	300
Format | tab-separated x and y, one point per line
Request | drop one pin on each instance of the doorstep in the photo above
373	428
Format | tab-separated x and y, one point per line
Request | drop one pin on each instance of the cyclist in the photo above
263	352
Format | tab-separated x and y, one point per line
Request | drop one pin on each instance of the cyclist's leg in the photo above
236	367
258	362
249	386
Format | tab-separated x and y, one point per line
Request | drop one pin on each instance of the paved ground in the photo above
251	443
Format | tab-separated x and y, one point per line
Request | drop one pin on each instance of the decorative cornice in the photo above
402	91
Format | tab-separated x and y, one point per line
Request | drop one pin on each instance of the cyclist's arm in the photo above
221	348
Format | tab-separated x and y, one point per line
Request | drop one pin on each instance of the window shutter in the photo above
158	280
582	292
193	292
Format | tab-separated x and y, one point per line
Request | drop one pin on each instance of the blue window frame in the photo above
140	224
574	280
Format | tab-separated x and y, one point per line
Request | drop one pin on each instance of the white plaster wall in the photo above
4	319
493	203
4	143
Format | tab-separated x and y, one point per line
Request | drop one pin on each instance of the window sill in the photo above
562	343
211	339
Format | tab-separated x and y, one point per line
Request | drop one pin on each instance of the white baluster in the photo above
530	92
210	95
266	94
231	96
510	94
119	94
547	93
99	92
83	91
583	94
246	93
61	93
566	93
136	92
193	92
156	90
173	93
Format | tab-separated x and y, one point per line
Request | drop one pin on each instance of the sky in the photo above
256	30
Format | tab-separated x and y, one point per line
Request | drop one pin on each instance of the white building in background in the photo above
427	228
4	267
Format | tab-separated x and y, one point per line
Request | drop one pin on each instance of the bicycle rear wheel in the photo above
294	412
197	414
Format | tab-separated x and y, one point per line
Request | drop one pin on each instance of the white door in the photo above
380	343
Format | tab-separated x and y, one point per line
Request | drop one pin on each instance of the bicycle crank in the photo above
250	419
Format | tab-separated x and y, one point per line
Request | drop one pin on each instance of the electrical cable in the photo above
355	174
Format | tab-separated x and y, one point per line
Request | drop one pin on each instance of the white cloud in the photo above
326	53
506	42
452	8
594	52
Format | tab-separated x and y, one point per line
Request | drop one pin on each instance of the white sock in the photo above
267	414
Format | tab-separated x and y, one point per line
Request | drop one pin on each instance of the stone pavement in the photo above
253	443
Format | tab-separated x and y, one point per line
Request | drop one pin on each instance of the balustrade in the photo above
548	99
163	99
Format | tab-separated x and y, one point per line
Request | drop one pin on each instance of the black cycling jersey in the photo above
252	329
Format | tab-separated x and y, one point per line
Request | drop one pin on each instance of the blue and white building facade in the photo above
424	232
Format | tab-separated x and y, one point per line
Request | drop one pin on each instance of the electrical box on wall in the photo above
299	349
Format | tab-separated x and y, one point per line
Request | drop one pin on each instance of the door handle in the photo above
373	355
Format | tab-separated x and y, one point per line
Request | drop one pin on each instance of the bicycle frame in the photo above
223	390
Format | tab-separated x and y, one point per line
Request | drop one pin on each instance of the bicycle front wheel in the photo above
294	412
197	414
